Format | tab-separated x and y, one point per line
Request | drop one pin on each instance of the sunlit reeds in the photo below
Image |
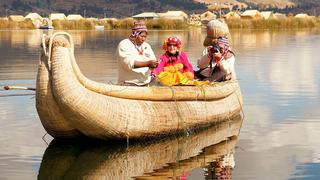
74	24
85	24
118	24
285	23
151	24
6	24
126	23
166	24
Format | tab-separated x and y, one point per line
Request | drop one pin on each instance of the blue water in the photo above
279	75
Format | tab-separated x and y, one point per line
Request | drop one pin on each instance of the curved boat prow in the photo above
49	111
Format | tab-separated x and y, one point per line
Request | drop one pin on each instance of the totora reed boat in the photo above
70	105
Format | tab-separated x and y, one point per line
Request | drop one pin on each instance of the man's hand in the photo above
153	63
150	64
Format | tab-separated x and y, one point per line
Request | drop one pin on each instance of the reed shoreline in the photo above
166	24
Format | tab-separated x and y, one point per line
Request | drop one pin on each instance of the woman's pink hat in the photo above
171	40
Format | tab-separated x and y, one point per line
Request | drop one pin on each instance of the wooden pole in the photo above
18	88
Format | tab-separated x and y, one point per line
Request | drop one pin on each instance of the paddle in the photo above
18	88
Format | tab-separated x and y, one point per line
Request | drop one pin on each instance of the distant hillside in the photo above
312	7
280	4
98	8
125	8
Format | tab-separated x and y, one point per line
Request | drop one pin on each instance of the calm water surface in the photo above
279	75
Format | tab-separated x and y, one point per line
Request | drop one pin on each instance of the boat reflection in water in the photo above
175	157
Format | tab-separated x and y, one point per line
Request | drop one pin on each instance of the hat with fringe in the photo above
138	27
216	28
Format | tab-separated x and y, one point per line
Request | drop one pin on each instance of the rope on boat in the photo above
229	120
44	44
48	54
180	119
242	111
43	138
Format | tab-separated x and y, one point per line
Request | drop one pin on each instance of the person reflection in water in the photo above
221	168
135	57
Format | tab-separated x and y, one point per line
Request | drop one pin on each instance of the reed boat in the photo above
71	105
167	158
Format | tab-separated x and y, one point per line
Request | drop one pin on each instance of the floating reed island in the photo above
286	23
70	105
165	24
90	24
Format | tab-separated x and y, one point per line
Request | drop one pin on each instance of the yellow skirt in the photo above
177	78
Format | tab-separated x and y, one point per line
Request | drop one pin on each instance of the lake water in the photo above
279	75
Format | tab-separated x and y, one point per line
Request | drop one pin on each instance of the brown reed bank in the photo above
151	24
164	24
287	23
74	24
85	24
118	24
6	24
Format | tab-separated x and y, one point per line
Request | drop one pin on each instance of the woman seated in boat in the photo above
135	57
174	67
217	61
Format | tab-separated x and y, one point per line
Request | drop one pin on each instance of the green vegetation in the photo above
287	23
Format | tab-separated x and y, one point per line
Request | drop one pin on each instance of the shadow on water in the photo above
172	157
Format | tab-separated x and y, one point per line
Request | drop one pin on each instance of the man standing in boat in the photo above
135	57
